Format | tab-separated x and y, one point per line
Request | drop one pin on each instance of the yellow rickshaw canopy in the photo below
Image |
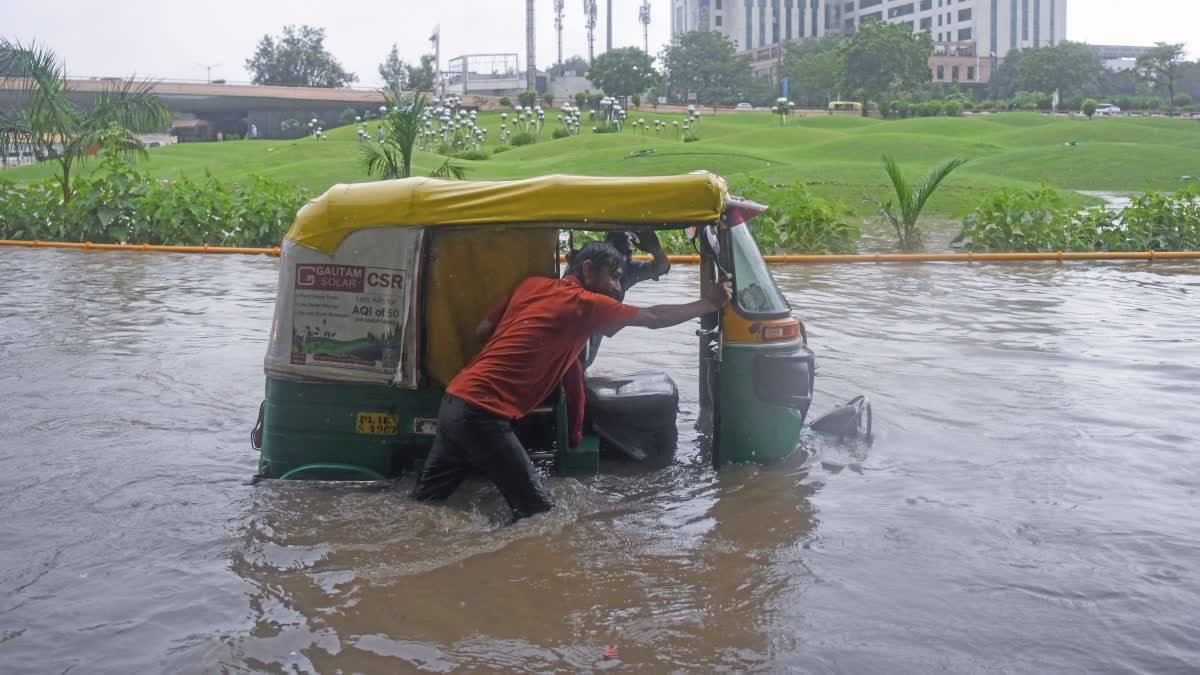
584	202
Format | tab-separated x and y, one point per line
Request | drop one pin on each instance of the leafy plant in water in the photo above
1040	220
904	213
796	221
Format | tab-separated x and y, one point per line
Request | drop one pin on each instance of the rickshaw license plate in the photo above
375	424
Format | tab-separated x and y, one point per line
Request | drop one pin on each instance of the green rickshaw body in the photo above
381	284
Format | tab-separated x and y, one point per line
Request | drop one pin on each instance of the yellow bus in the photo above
845	107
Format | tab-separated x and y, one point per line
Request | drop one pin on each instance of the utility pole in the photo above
644	17
609	47
558	26
589	12
436	39
208	67
530	58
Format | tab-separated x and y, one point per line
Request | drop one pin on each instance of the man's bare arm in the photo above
663	316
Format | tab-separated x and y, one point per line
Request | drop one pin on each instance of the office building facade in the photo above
984	30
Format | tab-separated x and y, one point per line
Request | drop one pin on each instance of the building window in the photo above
954	73
762	23
1053	11
902	10
964	34
717	18
964	14
927	23
1025	20
717	4
939	19
926	4
788	17
1013	32
750	23
869	3
995	48
970	73
1037	23
941	72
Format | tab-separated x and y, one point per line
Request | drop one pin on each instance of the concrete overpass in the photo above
203	109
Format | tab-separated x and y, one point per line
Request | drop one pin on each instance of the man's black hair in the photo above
599	253
622	240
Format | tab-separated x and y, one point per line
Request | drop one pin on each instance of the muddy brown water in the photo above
1029	503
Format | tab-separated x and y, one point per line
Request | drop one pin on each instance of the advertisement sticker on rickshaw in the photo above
348	316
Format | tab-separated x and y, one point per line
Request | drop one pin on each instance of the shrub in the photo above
581	100
501	148
952	108
1071	103
798	221
885	108
929	109
506	101
691	137
475	155
636	99
903	109
1089	107
1183	100
560	133
605	128
548	99
1013	219
527	98
523	138
1039	220
347	116
122	205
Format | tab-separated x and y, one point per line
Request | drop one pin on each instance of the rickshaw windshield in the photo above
755	293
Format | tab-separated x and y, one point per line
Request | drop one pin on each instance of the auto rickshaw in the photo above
381	286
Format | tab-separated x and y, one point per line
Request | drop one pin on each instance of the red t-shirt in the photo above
540	330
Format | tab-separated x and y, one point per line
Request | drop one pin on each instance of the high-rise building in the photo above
971	31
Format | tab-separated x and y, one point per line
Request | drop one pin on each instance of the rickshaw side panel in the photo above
755	428
314	423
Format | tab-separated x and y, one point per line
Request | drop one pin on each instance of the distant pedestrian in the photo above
253	131
379	132
220	136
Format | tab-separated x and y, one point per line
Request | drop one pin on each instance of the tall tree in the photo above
623	72
815	69
884	56
1070	67
576	64
297	57
394	71
46	120
1162	66
706	63
420	78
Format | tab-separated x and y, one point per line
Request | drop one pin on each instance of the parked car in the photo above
1107	109
743	106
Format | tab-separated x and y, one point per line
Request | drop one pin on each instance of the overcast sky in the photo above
175	39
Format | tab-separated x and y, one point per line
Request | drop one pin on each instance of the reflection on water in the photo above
1028	503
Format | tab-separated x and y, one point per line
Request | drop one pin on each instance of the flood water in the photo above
1029	504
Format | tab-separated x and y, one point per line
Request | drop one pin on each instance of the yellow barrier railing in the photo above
89	246
1151	256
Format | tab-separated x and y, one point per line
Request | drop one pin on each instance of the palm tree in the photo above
404	121
911	200
57	130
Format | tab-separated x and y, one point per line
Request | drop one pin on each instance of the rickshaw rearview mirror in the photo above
710	235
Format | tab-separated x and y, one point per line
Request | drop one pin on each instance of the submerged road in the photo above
1029	503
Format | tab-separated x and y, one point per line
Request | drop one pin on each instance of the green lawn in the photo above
837	156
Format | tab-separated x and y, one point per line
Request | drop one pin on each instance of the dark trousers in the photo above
473	440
